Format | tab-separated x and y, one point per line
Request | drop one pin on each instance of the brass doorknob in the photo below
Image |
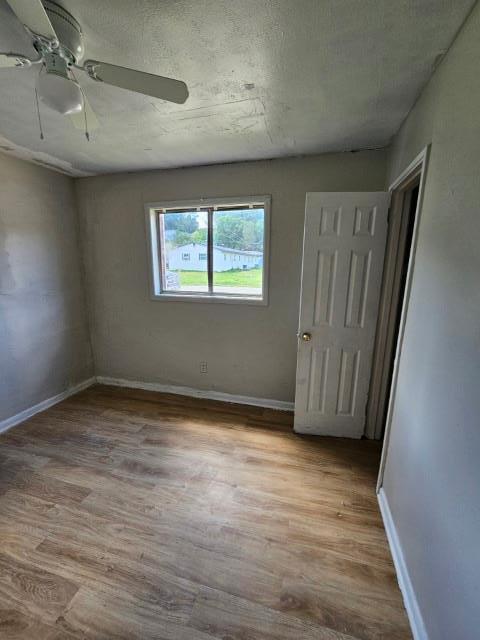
306	337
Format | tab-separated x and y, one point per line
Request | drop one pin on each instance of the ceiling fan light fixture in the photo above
60	93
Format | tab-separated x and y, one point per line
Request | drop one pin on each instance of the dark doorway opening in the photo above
402	218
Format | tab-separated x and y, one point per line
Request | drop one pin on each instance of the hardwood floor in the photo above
134	515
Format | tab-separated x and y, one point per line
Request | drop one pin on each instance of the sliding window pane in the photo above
183	238
238	243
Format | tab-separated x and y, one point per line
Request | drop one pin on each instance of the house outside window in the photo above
210	250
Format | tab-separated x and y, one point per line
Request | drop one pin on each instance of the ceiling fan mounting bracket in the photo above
91	69
41	43
22	61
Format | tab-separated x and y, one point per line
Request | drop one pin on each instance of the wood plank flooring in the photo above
130	515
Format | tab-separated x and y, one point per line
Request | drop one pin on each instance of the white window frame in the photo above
155	258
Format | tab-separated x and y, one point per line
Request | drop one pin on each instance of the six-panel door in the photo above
344	246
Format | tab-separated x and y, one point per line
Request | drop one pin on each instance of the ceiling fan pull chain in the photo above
42	137
87	134
84	99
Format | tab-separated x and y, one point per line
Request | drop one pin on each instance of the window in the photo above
215	250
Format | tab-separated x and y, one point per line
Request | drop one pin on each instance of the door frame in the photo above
401	218
418	167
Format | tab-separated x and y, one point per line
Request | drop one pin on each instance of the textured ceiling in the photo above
267	78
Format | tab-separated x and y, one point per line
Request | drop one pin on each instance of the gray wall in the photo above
44	344
432	477
250	350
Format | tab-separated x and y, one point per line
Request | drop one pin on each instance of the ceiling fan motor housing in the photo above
68	30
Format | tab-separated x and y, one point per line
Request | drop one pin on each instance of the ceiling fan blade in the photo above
32	14
139	81
13	60
78	119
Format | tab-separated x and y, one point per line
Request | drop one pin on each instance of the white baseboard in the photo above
409	598
267	403
8	423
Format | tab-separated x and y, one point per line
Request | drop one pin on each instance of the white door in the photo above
343	250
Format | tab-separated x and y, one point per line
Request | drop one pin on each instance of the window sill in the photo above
215	298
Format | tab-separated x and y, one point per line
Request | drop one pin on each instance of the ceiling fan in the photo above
57	38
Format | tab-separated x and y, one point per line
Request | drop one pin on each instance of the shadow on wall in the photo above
9	380
35	315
